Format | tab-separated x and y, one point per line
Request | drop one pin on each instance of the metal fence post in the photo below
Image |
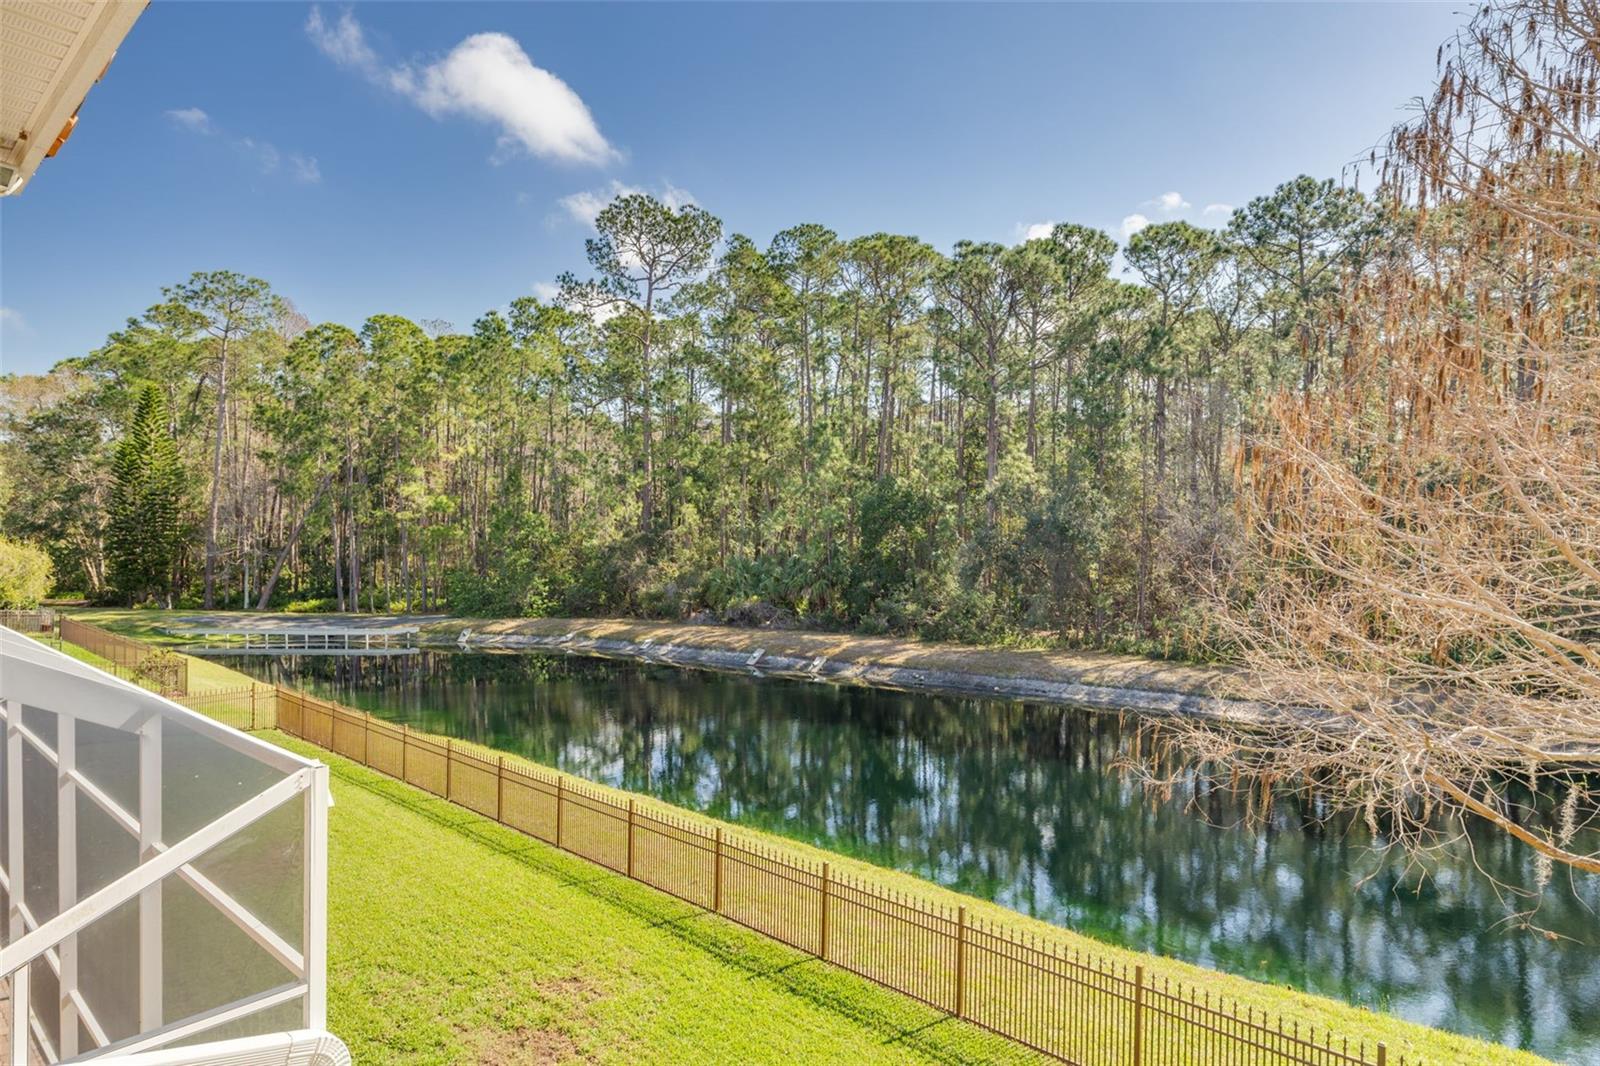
405	743
449	764
1383	1054
630	837
252	706
1138	1016
366	739
561	796
716	872
823	937
961	960
500	790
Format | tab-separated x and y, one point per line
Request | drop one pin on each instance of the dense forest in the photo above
866	432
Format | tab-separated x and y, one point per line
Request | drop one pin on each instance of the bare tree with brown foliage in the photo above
1423	559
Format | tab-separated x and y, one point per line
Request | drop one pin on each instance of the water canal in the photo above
1022	804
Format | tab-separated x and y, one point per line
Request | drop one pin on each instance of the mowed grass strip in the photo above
453	940
204	675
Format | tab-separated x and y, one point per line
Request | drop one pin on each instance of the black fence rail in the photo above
154	668
1056	1000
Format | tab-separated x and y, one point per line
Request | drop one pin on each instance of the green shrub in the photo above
25	574
515	592
311	605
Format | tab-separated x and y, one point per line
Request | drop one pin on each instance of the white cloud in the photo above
489	77
11	320
192	119
304	169
300	169
1169	202
1217	210
343	43
548	292
1132	224
1035	231
486	77
585	206
264	155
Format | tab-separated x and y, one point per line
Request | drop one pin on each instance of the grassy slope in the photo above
207	676
143	624
204	675
453	939
1356	1023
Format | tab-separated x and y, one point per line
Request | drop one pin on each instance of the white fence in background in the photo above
164	876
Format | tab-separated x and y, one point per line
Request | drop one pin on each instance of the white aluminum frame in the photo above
34	675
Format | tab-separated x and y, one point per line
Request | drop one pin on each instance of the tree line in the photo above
860	432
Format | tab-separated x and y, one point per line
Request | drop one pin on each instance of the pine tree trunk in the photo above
213	510
289	545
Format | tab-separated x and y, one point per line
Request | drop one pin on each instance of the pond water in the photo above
1022	804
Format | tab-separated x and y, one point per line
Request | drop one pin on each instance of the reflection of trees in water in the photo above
1023	804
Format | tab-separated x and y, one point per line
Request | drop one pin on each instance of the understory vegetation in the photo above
25	574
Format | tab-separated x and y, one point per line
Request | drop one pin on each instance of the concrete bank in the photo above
1083	679
1092	679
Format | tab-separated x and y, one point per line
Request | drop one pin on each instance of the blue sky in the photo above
386	158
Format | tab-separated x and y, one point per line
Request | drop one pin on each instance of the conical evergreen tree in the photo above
144	533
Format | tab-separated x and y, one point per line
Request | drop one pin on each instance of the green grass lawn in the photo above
1415	1043
207	676
204	675
455	940
147	624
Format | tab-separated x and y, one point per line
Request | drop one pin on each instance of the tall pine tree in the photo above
144	534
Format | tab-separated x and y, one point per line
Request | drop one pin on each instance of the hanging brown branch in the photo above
1424	549
1511	121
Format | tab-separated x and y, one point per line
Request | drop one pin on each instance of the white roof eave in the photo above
51	53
